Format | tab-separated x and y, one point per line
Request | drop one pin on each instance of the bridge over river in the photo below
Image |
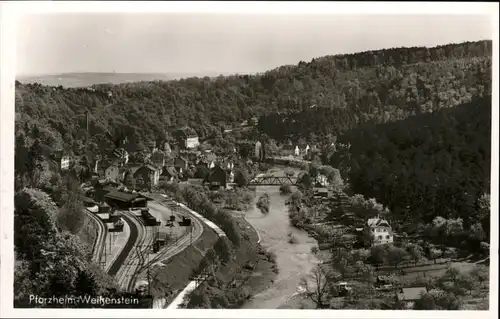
272	180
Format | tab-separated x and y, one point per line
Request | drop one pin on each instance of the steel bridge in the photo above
271	180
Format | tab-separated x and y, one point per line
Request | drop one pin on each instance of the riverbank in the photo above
294	260
174	274
249	272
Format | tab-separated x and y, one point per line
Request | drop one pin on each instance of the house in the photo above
147	176
208	160
181	164
410	295
158	159
112	172
63	160
322	181
321	192
218	177
297	151
124	200
381	231
121	155
167	150
231	177
195	181
187	137
168	174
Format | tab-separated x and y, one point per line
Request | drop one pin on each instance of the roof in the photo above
148	167
186	131
411	294
373	222
171	170
112	164
86	199
121	196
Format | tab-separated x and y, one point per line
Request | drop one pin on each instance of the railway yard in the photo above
131	242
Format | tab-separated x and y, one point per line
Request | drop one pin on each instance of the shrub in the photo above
285	189
263	203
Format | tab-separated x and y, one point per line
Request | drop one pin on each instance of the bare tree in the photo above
316	286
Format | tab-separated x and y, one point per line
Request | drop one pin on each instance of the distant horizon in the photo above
225	73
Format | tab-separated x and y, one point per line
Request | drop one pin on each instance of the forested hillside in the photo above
345	90
426	166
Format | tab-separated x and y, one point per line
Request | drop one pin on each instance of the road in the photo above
100	240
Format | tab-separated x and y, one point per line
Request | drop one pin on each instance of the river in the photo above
294	261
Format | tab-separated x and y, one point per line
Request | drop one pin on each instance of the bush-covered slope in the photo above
425	166
346	90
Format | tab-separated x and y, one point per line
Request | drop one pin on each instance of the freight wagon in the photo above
149	220
185	221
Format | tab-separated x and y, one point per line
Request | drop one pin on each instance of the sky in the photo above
211	43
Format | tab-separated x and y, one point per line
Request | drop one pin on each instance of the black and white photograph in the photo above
229	160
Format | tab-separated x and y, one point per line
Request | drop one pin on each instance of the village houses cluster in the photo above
169	161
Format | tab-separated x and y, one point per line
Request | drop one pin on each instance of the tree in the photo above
316	286
452	274
379	254
285	189
481	274
296	199
396	255
305	181
71	216
342	261
241	178
466	282
34	164
263	203
476	232
415	252
202	172
223	250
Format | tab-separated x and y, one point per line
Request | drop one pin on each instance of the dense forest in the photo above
425	166
345	90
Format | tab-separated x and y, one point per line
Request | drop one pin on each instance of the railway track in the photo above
100	241
142	251
122	257
182	242
133	254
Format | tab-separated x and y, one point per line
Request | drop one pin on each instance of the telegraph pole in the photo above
191	234
149	273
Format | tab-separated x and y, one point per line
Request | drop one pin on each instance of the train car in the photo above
136	212
149	220
118	225
104	217
185	221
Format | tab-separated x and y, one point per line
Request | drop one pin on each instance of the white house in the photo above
380	230
307	149
322	180
192	142
112	172
65	161
187	137
297	151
